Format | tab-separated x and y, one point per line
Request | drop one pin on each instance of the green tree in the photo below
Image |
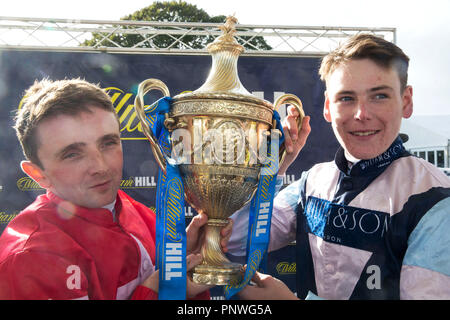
169	11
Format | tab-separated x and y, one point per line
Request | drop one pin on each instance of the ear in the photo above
326	108
35	173
407	102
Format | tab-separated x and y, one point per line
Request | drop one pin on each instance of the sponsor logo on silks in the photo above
170	215
346	225
260	215
384	159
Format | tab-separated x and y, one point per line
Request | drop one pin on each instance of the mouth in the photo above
364	133
101	185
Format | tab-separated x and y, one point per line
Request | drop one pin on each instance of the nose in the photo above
97	163
362	111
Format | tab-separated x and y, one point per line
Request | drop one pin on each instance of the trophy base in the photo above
229	274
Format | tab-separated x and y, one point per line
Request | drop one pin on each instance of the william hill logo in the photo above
5	218
28	184
138	182
130	126
286	268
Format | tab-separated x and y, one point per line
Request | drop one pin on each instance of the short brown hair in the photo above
367	46
46	99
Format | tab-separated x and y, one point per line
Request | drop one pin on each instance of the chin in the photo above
363	154
101	202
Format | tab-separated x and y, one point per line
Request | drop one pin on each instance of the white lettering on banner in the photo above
145	181
288	179
262	218
188	212
173	258
74	280
374	281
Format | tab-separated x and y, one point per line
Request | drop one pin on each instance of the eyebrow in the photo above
379	88
345	92
110	136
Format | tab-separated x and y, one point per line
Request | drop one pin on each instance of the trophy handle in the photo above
144	87
297	103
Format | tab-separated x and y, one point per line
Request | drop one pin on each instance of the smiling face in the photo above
81	157
365	104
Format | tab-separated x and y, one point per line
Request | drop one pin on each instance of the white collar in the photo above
111	208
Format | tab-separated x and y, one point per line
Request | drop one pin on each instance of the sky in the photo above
423	28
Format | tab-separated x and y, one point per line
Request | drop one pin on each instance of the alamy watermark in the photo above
226	146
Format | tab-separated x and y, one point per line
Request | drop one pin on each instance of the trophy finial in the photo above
225	50
226	41
228	28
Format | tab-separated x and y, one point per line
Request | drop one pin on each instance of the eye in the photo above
70	155
345	99
380	96
109	143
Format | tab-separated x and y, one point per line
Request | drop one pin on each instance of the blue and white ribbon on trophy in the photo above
261	213
170	219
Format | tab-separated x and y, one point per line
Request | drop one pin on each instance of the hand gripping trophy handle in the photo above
297	103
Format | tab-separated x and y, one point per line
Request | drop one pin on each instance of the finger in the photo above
192	260
304	132
292	110
292	126
258	278
194	232
287	139
197	222
249	293
226	235
228	228
193	289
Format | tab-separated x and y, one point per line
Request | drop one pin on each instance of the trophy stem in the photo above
216	269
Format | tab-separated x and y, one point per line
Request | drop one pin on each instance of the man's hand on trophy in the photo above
192	288
195	234
266	287
294	140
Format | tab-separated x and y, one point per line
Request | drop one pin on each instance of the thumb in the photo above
304	131
258	279
192	260
196	223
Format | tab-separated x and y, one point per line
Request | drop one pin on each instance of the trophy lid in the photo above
223	80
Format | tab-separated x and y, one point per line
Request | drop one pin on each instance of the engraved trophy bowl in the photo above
217	132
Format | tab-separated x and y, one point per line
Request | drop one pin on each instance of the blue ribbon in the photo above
170	219
260	215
